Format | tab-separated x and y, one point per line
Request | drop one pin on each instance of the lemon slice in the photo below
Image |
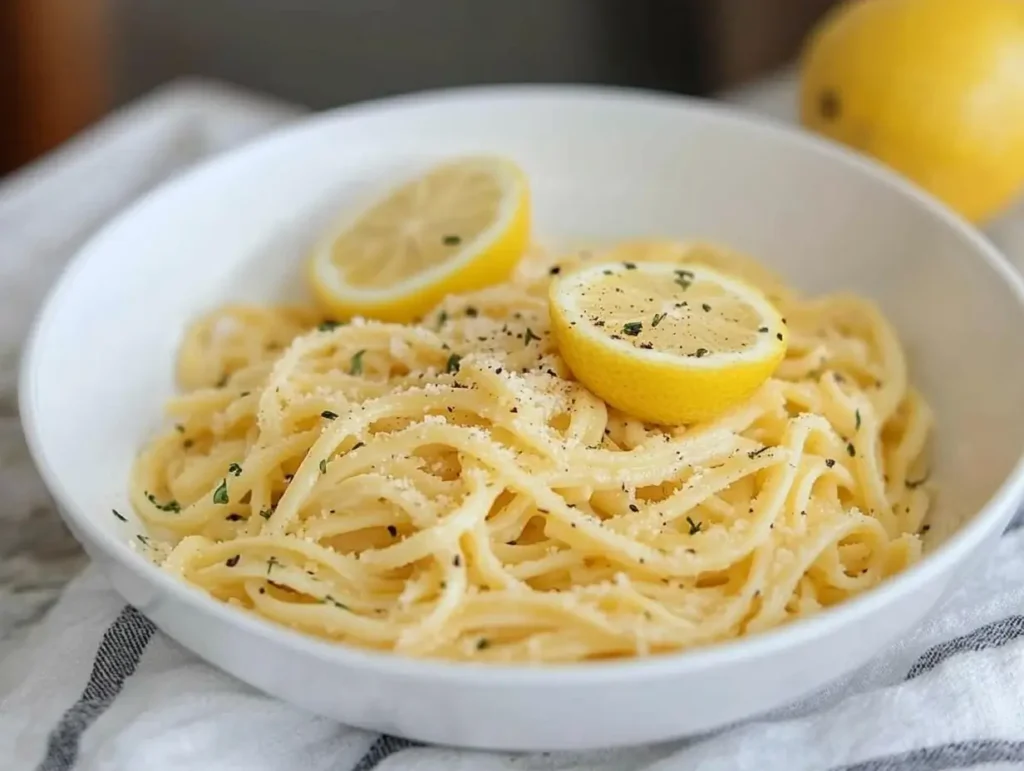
458	227
666	343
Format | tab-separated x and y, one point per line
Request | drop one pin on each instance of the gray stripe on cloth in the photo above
993	635
945	756
380	750
1016	522
116	658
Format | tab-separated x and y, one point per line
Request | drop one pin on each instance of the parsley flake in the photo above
356	367
453	364
632	328
171	505
684	278
220	495
329	415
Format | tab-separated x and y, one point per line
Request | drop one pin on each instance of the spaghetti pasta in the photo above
446	489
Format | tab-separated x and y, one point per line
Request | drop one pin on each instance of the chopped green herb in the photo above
634	508
143	540
323	466
694	526
530	336
830	462
451	240
187	444
119	515
472	312
220	495
234	517
850	449
328	325
554	271
272	563
762	330
701	353
335	603
632	328
755	453
232	561
706	307
456	560
244	393
925	529
223	381
265	513
356	367
235	469
856	416
442	319
483	644
452	365
357	445
392	531
171	505
684	278
657	319
629	265
179	428
329	415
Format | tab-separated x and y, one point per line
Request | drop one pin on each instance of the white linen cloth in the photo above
94	687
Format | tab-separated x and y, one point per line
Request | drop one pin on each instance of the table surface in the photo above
49	209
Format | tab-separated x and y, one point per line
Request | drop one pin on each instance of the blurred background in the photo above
66	63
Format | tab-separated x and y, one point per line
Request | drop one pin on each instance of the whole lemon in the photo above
932	88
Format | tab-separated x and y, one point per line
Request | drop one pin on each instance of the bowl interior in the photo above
603	166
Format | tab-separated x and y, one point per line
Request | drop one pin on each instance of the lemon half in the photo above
458	227
669	344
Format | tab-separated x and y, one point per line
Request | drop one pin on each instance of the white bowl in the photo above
604	164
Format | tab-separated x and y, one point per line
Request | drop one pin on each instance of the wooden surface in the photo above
56	56
55	60
755	37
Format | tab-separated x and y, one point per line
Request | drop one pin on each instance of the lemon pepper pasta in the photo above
447	488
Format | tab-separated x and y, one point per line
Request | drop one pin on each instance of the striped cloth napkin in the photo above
96	687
